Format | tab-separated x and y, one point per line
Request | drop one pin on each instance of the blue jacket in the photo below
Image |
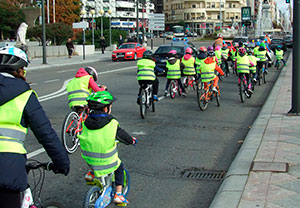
13	175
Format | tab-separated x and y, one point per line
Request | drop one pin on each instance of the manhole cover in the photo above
204	175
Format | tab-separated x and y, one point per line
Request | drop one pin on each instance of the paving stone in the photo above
275	192
271	205
289	202
269	166
251	204
278	178
292	186
295	170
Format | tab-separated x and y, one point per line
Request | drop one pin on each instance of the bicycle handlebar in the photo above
36	165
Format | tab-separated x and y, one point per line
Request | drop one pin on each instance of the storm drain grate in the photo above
204	175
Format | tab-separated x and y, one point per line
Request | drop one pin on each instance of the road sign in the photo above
80	25
156	22
246	13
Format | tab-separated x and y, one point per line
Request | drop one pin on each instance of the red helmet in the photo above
225	45
203	49
188	51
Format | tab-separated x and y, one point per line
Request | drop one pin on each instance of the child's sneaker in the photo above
89	176
166	93
120	199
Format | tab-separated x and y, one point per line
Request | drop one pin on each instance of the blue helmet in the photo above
279	46
257	43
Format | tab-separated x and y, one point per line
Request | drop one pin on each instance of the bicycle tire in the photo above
126	184
185	82
217	95
264	78
70	144
143	102
202	103
172	89
52	205
241	91
179	90
152	103
91	196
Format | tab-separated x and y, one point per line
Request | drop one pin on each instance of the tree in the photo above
67	11
11	17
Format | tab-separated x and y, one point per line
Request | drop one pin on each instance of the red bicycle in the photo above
72	127
189	82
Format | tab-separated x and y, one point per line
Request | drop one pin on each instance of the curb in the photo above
232	187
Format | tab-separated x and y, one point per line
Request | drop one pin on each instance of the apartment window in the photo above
208	5
193	5
236	17
105	0
233	5
222	4
213	5
230	5
208	16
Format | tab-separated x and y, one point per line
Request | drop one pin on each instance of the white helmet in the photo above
12	58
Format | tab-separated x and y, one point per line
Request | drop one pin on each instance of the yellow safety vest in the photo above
208	72
145	69
12	133
219	56
173	70
252	68
189	68
78	91
279	54
242	65
198	63
99	148
261	55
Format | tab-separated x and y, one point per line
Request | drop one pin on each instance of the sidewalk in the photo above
37	63
266	170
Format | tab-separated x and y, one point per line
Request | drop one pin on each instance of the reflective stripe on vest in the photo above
146	69
173	70
279	54
219	56
261	55
189	68
99	149
208	72
198	63
253	60
12	133
78	91
242	64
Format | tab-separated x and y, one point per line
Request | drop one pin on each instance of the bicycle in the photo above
243	89
29	194
174	87
205	94
189	82
72	126
261	74
146	99
278	64
102	192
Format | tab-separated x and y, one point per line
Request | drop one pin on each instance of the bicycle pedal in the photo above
121	205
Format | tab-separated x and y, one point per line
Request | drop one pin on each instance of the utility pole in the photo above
137	20
296	74
44	33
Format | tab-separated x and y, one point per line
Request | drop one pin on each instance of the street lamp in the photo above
109	13
92	12
101	12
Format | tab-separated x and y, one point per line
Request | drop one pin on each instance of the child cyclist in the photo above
98	141
174	71
81	86
279	53
207	71
252	69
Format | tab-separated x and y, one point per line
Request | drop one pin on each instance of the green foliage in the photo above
115	35
10	19
56	32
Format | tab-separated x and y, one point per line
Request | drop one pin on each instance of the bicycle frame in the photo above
82	116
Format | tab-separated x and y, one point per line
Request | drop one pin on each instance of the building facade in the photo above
203	14
123	12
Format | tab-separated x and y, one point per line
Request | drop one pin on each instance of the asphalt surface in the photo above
177	138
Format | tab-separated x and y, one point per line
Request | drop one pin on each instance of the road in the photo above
177	138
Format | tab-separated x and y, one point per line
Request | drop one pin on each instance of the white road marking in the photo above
69	70
138	133
31	84
53	80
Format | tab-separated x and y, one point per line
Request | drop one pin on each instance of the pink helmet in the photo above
242	51
173	52
189	51
218	48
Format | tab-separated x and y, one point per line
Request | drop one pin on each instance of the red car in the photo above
128	51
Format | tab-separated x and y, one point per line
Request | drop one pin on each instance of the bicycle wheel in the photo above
201	94
91	197
185	82
179	90
52	205
217	95
264	78
143	102
126	184
68	135
172	89
152	102
241	91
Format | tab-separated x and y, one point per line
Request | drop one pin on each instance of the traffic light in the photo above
288	1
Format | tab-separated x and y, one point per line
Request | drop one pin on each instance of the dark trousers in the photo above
179	83
154	83
247	75
119	175
10	199
70	51
102	49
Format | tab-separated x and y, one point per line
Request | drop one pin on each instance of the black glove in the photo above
60	170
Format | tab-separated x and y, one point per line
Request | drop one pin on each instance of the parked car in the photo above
277	41
128	51
161	53
192	34
150	35
288	39
169	35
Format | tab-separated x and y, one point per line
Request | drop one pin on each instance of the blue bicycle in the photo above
102	192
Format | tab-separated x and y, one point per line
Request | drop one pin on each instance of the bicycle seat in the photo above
144	86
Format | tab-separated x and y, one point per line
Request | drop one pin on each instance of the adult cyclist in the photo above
20	109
